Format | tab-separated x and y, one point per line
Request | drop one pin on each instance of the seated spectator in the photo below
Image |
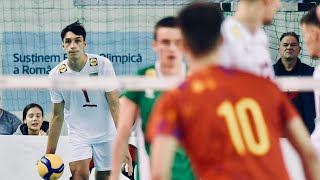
290	65
33	123
8	122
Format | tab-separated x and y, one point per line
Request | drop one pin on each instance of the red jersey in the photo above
229	123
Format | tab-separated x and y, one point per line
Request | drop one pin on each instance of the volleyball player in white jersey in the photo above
91	116
245	44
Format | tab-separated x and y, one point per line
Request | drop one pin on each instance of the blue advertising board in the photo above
30	53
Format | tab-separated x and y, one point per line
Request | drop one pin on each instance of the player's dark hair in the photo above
200	24
77	28
311	18
170	22
290	34
29	106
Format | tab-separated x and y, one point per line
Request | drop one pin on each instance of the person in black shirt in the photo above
290	65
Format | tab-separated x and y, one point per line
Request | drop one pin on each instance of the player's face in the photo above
311	37
73	44
271	8
167	46
34	119
289	47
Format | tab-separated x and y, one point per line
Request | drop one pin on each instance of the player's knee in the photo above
102	175
80	175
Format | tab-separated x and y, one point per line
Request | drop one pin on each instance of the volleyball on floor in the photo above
50	167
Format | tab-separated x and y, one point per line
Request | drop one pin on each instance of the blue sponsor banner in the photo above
30	53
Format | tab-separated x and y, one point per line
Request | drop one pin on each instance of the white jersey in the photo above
86	112
315	136
245	51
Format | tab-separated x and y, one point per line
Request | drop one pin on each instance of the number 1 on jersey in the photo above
87	99
238	123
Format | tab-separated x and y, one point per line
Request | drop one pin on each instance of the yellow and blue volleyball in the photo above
50	167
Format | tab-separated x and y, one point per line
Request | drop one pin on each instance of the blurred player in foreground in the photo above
167	38
245	45
91	116
227	131
310	24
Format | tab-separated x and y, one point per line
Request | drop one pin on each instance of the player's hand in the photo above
42	133
128	163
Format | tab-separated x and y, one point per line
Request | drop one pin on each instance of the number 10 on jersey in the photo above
236	116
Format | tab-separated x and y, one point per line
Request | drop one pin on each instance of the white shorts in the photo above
100	152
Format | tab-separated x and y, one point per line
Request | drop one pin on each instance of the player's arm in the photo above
113	101
55	127
162	154
315	136
163	132
298	136
127	115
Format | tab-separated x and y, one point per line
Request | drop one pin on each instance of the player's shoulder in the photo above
219	77
100	62
229	22
173	95
96	59
238	77
147	71
257	81
261	35
232	29
200	80
59	69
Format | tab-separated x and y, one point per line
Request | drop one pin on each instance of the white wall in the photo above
19	155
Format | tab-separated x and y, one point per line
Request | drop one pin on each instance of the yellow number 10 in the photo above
240	130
